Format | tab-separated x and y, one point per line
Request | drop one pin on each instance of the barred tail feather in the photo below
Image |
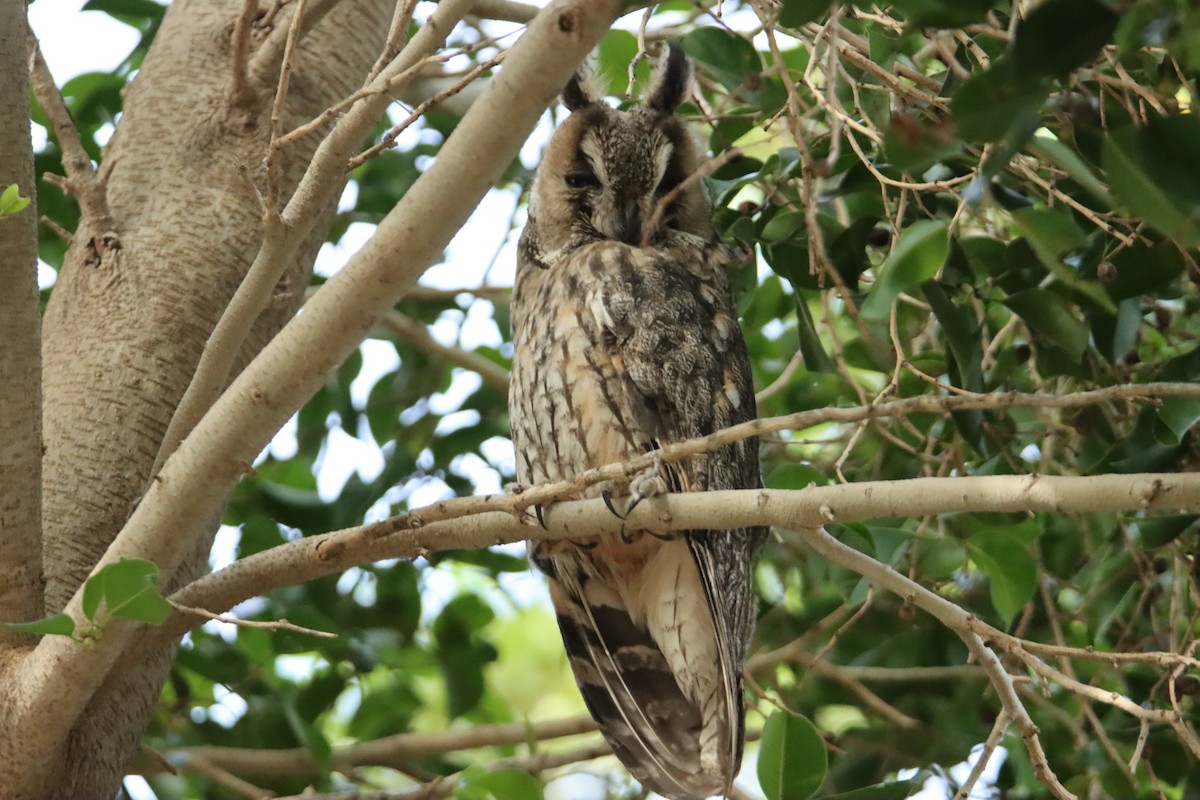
671	740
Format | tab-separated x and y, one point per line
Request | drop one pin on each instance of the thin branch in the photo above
999	727
419	337
389	751
275	625
397	36
82	180
389	139
274	169
241	95
506	10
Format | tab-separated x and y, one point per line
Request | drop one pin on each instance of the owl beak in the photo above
631	223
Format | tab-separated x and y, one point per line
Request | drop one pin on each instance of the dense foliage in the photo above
944	197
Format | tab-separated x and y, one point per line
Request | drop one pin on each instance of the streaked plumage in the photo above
619	349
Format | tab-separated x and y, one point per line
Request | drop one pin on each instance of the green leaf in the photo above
914	146
896	790
1160	531
503	784
1009	567
917	256
795	13
989	103
1051	233
811	349
1060	35
731	58
11	201
1054	151
129	589
791	757
1049	315
58	625
1178	415
944	13
1139	269
1153	172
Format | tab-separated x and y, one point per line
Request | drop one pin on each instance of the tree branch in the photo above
60	675
409	536
82	181
390	751
20	345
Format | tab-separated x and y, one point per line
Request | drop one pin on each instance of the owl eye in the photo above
581	179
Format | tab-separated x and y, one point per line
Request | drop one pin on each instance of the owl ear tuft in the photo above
671	80
584	88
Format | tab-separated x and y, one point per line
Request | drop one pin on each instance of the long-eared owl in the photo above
626	339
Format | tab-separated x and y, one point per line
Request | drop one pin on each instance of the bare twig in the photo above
397	36
82	180
276	625
389	139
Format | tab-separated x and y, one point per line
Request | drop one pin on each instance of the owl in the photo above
626	339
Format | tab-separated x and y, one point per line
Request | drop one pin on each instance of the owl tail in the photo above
669	704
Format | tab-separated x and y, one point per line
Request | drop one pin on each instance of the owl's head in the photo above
605	171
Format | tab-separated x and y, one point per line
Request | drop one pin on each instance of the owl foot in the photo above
648	483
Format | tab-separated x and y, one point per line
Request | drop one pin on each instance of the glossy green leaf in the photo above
1179	415
989	103
731	58
944	13
792	757
1066	159
11	201
1144	169
895	790
1012	575
1060	35
503	784
129	589
916	257
811	349
57	625
794	13
1161	531
1048	314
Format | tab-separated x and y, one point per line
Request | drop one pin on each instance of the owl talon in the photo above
606	495
537	512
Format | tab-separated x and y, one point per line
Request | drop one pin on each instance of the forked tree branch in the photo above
82	180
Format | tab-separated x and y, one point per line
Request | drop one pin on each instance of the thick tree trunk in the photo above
20	361
139	295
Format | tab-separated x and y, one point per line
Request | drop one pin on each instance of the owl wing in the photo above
657	630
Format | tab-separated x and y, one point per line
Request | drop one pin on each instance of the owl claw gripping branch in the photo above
625	340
